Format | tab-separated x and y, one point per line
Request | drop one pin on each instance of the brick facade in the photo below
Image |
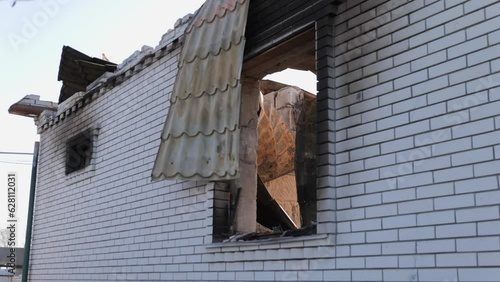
408	169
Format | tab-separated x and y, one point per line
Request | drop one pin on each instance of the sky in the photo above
32	34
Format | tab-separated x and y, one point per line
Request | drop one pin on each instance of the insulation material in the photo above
200	139
277	127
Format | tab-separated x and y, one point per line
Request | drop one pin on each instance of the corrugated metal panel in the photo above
200	139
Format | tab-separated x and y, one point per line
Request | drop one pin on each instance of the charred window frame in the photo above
319	16
79	151
271	219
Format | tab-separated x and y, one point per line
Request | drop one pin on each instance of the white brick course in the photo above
415	206
450	202
412	261
464	21
454	260
469	73
488	168
436	246
477	214
418	233
397	145
477	184
479	274
434	218
399	221
427	36
489	228
435	190
411	129
411	79
446	42
395	96
409	31
452	174
484	111
443	17
409	104
398	196
484	27
467	47
394	73
473	156
427	11
482	198
486	139
456	145
489	259
473	128
456	230
393	49
478	244
430	86
431	164
450	65
382	262
366	249
380	161
443	274
379	137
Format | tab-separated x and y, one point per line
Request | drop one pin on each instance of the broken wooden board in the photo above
269	213
284	190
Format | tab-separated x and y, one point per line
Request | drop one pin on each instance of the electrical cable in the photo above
7	162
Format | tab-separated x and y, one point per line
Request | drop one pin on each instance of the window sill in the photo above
290	242
80	175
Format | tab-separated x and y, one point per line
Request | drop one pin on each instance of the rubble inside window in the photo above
286	173
284	156
287	155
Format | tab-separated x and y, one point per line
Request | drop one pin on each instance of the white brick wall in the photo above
441	128
417	146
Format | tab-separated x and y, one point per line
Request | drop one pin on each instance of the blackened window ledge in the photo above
274	243
81	175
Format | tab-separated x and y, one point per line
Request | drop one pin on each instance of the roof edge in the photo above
135	63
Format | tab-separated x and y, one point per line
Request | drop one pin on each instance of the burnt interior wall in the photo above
272	21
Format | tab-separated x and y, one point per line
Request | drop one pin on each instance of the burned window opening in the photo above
287	156
282	188
79	152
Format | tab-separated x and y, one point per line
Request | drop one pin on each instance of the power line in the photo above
16	153
5	162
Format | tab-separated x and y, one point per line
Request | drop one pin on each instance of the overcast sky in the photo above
32	34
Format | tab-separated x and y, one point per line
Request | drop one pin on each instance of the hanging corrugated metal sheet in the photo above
200	139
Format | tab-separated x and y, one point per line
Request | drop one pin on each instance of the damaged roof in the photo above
31	106
77	70
135	63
